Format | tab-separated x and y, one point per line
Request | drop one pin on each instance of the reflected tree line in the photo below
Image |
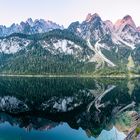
104	102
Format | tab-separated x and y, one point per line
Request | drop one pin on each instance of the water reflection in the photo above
101	107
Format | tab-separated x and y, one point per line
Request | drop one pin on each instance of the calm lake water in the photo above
68	108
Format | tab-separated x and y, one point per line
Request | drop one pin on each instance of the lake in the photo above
69	108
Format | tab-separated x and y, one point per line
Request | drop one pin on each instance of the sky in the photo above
64	12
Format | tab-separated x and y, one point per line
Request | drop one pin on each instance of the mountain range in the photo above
29	27
91	47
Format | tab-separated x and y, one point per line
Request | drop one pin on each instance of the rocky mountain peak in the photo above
121	23
128	19
109	24
29	27
91	17
30	21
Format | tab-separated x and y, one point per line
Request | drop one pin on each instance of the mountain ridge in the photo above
29	27
93	46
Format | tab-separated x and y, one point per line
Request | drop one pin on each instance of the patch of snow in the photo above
13	45
116	51
62	46
79	30
118	40
97	50
105	47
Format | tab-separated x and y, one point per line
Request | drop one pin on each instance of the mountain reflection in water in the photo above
83	108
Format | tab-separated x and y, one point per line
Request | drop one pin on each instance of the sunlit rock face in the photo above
127	20
93	27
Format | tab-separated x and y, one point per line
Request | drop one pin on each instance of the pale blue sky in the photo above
66	11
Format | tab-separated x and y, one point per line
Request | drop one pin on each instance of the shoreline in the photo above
69	76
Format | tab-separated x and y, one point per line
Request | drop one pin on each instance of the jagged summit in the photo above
127	17
30	26
121	23
91	17
129	20
30	21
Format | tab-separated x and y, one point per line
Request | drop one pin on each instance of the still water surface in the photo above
68	108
